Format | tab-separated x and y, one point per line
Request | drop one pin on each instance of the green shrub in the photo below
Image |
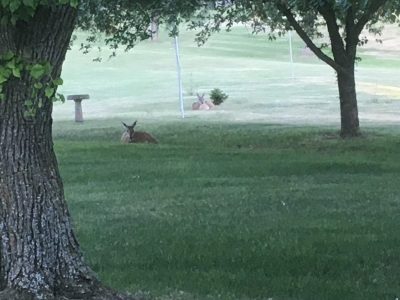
217	96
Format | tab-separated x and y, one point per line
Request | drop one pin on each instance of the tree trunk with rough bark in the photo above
350	126
40	257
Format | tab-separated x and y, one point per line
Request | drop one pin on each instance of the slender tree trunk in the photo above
39	254
350	126
155	28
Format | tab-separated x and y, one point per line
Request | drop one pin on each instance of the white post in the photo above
179	70
291	53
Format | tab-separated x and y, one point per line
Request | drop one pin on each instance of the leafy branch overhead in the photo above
22	10
15	67
125	22
19	65
312	19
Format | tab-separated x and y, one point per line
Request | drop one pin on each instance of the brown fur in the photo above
132	136
196	105
210	104
143	137
202	104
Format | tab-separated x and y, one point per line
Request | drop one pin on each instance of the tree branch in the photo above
366	17
351	37
304	36
337	44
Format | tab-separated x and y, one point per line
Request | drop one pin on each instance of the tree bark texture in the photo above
40	257
350	126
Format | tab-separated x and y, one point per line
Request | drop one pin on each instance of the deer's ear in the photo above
134	123
203	95
124	124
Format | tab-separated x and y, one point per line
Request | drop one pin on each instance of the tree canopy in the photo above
125	23
312	19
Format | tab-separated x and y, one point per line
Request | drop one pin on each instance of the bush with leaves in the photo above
218	96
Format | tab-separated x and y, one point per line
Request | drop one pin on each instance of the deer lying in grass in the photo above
202	104
131	136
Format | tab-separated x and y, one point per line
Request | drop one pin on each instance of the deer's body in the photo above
131	136
143	137
125	138
210	104
202	104
196	105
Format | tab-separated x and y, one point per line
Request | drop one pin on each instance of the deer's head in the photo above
130	130
200	98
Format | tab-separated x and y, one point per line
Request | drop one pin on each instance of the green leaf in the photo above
74	3
38	85
49	92
58	81
47	68
9	55
5	73
14	5
11	64
37	71
30	3
16	72
59	97
2	79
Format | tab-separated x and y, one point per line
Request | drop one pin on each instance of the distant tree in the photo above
154	28
342	20
40	257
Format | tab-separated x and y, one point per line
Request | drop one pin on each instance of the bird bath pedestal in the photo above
78	106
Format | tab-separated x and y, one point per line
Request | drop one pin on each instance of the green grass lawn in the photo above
258	199
236	211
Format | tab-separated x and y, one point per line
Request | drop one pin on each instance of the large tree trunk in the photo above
350	126
39	255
